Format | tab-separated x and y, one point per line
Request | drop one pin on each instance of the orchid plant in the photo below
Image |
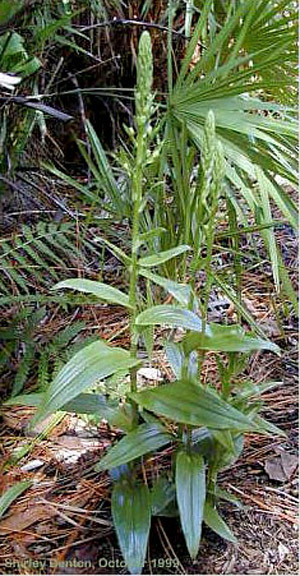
203	424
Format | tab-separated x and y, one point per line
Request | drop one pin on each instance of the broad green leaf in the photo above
169	316
224	495
89	404
175	357
11	494
95	404
170	511
250	389
162	493
228	457
131	511
267	427
150	418
191	494
207	443
28	68
188	403
228	290
226	339
94	362
98	289
214	521
117	252
33	399
98	405
124	417
120	473
224	438
148	336
146	438
203	442
12	45
161	257
181	292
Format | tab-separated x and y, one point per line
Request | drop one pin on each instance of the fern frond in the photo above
59	361
24	369
43	371
15	279
33	321
66	335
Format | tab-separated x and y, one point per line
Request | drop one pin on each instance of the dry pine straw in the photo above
65	515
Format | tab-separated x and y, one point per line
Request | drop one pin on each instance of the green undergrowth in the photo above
193	176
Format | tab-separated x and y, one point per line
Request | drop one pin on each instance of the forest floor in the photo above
62	524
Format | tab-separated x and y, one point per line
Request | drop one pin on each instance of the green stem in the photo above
212	484
208	272
137	183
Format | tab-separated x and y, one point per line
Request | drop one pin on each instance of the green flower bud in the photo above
143	97
145	64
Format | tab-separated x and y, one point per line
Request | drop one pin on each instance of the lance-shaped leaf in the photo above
102	291
267	427
224	495
252	389
90	404
33	399
224	437
94	362
214	521
161	257
175	357
181	292
131	512
227	457
12	494
190	493
162	493
226	339
95	404
169	316
189	403
117	252
146	438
